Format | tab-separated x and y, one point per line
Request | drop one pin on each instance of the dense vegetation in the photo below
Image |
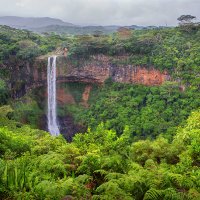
142	142
140	107
99	164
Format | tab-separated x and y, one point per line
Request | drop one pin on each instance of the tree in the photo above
186	18
186	23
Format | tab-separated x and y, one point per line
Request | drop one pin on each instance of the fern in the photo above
171	194
111	190
153	194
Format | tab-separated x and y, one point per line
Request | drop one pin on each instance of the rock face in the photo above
95	70
64	98
99	68
69	128
86	96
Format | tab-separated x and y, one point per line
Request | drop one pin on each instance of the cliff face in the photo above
99	68
95	70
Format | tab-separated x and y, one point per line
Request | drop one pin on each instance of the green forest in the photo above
141	142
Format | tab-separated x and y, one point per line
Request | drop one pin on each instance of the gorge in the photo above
89	73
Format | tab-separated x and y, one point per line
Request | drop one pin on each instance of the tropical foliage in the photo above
99	164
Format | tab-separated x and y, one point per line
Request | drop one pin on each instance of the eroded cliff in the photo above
97	69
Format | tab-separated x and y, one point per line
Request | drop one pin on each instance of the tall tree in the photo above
186	23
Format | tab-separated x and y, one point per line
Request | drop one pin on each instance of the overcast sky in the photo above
104	12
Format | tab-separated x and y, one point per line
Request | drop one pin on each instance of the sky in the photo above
104	12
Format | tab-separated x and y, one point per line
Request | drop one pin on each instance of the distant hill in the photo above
81	30
31	22
76	30
47	24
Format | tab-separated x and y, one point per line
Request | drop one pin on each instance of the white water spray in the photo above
51	81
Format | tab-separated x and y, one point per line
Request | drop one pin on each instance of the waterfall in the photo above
51	82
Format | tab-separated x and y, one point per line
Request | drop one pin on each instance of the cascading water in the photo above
51	81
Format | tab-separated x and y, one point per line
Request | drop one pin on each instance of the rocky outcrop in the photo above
97	69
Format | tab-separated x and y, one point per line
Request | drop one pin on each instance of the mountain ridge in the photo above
48	24
31	22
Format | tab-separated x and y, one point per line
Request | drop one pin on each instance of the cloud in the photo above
105	12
